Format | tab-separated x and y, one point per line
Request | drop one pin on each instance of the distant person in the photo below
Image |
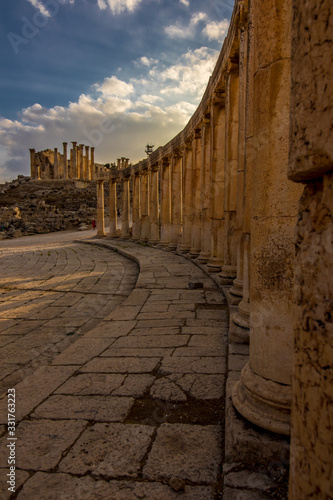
93	223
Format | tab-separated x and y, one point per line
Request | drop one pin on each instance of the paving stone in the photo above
91	384
148	352
243	349
166	330
201	386
82	351
66	487
248	480
187	364
237	362
191	452
40	444
128	312
98	408
150	341
200	351
159	323
167	390
201	330
208	322
134	385
111	329
120	365
35	388
115	450
20	477
215	341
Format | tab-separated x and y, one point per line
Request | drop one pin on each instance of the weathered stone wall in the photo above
239	204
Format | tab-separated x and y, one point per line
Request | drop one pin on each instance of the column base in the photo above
203	257
237	288
113	235
163	244
154	242
214	265
239	330
101	234
194	254
227	275
183	249
263	402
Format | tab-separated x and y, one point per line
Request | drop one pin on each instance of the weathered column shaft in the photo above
33	167
205	192
65	164
113	208
86	165
125	216
144	198
73	162
92	164
165	203
154	208
176	200
136	207
196	195
311	162
263	394
185	245
229	268
100	209
217	131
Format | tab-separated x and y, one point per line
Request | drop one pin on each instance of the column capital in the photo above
32	150
64	143
74	144
232	66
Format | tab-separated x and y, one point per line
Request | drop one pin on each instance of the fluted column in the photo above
176	200
154	206
196	195
263	394
205	192
229	268
65	164
55	164
217	131
165	202
113	206
80	162
33	167
136	207
100	209
92	163
185	245
125	215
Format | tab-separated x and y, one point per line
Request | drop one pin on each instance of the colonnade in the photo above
54	165
219	192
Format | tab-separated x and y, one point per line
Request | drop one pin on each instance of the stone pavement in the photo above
134	407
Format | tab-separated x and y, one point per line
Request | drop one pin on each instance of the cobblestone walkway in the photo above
133	408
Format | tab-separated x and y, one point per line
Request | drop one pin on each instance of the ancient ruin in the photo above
252	169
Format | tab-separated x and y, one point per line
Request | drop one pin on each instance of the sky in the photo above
114	74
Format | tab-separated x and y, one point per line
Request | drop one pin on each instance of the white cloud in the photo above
180	31
38	5
119	6
118	117
148	61
185	2
216	30
101	4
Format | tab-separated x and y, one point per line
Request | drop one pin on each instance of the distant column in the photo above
113	207
205	192
154	209
185	245
73	162
55	164
33	167
126	209
196	195
100	209
86	165
176	200
144	199
65	166
136	207
165	202
80	162
92	163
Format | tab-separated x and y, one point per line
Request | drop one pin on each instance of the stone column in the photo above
176	200
86	165
205	192
136	207
217	131
80	162
311	163
154	205
73	162
113	206
33	167
196	196
55	164
263	394
100	208
165	202
65	163
92	163
229	268
185	245
125	233
144	198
